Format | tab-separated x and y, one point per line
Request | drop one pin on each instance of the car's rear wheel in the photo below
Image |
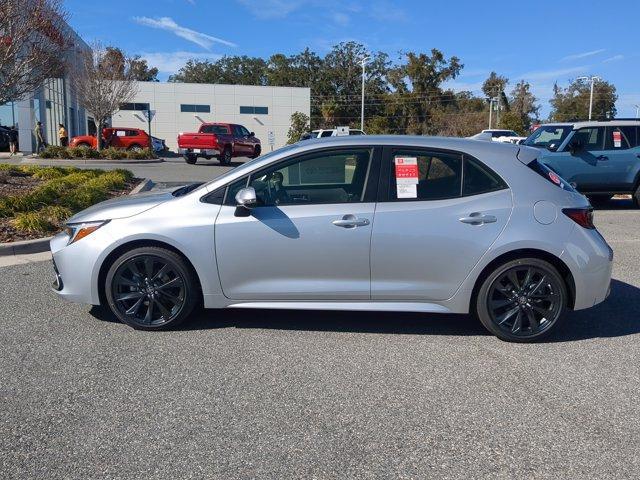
636	197
135	148
151	288
522	300
190	158
225	156
83	145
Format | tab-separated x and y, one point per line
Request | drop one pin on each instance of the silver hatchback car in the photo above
376	223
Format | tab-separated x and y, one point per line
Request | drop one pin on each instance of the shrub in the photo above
56	213
76	152
33	222
5	210
49	173
144	154
128	176
113	153
108	181
54	151
90	153
84	196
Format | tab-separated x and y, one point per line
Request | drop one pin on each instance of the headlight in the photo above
77	231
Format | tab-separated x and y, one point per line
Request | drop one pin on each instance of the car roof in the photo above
592	123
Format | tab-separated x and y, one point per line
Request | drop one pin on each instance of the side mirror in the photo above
246	198
252	134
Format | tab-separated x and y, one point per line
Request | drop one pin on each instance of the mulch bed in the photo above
23	184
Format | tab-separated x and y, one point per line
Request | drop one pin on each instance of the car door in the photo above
309	236
619	159
432	226
242	146
585	165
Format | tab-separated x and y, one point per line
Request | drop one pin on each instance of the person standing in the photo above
39	134
13	140
64	136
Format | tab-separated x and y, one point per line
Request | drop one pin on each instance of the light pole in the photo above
491	100
593	79
363	62
637	111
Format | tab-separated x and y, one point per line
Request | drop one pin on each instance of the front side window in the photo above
590	139
548	136
421	175
337	176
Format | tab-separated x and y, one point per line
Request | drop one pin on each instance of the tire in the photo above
135	148
636	197
191	159
528	312
225	156
599	200
256	152
151	288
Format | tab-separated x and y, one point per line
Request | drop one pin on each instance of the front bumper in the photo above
205	152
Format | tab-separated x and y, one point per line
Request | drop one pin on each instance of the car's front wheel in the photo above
522	300
151	288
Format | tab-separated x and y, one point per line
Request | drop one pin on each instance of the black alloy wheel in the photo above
225	158
150	288
522	300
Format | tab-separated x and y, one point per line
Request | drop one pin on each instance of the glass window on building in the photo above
254	110
7	115
195	108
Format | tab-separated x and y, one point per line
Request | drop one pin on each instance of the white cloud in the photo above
615	58
271	8
168	24
552	74
341	18
171	62
578	56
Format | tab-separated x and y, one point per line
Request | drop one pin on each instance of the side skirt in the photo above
353	306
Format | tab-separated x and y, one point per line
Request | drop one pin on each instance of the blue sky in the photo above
541	41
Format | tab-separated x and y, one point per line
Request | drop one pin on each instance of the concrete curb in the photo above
85	161
40	245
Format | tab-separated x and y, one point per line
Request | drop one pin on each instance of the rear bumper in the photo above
590	260
208	152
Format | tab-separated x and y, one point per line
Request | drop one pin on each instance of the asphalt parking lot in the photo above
272	394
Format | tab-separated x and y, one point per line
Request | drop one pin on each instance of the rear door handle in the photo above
602	157
477	218
351	221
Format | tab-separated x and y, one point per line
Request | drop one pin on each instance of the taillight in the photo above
582	216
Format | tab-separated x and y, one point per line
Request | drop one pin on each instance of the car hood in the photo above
122	207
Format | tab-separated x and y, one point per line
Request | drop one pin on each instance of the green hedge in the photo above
111	153
64	191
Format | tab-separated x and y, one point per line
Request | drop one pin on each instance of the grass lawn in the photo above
35	201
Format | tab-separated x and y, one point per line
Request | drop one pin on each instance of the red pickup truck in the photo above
221	140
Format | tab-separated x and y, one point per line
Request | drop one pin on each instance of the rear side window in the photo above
478	178
631	134
326	133
616	139
422	175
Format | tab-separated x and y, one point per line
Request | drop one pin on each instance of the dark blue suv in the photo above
602	159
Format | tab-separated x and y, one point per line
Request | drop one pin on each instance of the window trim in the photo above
384	185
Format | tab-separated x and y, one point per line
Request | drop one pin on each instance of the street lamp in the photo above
363	62
491	100
637	111
593	79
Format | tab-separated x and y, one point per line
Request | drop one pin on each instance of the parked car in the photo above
158	144
349	223
504	136
221	140
118	137
601	159
330	132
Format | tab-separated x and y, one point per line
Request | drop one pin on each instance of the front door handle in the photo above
351	221
477	218
602	157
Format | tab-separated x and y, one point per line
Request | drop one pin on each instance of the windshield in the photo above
548	136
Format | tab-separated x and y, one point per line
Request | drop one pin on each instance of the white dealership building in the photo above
183	107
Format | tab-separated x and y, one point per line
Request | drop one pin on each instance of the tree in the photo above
299	126
33	41
103	83
523	105
572	103
494	85
140	70
232	70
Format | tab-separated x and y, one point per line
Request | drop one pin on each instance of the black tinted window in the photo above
479	179
591	139
420	175
616	139
631	134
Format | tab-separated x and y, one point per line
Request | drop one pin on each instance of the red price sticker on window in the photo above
406	177
617	138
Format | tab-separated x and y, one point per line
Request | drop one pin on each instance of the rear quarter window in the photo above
478	178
